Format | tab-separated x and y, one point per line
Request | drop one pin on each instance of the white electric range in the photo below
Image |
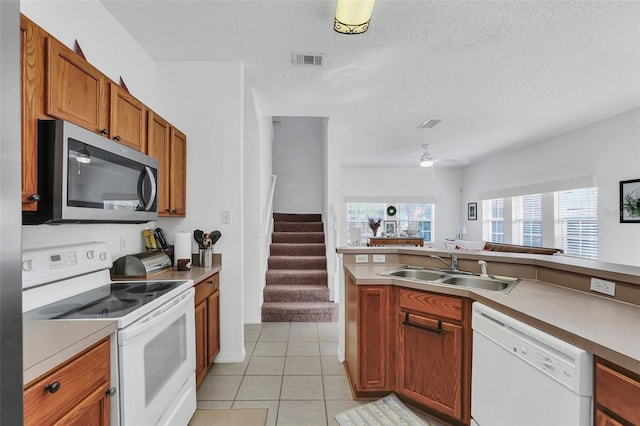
153	351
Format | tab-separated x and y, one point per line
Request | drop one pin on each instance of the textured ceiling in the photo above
500	74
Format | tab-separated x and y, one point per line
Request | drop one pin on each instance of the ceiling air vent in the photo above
306	59
429	123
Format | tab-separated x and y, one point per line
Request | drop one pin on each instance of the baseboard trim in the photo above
227	357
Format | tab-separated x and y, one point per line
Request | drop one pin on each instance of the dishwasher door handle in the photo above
407	322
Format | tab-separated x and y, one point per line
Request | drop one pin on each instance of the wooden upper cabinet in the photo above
32	40
128	119
178	172
76	91
159	137
169	146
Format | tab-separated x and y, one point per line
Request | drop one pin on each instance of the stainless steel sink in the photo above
480	282
453	278
417	274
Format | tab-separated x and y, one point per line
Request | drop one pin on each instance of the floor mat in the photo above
388	411
239	417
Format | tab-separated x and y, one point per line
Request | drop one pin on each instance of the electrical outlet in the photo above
379	258
226	216
123	243
603	286
362	258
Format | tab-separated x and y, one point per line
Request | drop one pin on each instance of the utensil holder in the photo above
206	257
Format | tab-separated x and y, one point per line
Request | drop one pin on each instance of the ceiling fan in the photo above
427	160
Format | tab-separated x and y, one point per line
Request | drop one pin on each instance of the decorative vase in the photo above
375	232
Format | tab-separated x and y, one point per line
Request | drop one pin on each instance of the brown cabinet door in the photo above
604	420
430	363
201	342
75	89
32	78
178	173
213	316
373	338
159	137
128	119
75	390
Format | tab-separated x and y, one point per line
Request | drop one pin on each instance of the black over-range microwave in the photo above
85	177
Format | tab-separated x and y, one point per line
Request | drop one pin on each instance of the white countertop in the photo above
47	344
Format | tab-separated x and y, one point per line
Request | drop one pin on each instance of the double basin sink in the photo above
452	278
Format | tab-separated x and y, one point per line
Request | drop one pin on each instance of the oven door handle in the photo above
157	316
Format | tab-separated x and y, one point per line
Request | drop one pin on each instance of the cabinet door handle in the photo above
116	138
422	327
104	132
53	387
34	197
111	391
210	282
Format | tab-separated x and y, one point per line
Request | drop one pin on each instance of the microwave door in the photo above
147	189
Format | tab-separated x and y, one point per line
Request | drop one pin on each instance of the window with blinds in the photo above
576	222
527	220
493	220
418	216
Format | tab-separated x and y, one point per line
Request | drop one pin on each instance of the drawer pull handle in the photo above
117	138
53	387
210	282
422	327
111	391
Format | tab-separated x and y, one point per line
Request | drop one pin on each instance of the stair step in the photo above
297	237
298	249
297	217
298	227
299	277
300	312
298	262
296	293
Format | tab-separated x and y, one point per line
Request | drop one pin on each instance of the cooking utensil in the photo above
214	236
198	235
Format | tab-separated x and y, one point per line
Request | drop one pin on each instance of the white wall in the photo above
206	101
298	163
608	151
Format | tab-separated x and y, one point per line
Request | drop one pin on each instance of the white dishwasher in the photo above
523	376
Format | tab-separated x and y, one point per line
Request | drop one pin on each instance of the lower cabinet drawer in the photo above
53	395
429	303
618	393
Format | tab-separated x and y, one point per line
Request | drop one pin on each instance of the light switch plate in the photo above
603	286
379	258
362	258
226	216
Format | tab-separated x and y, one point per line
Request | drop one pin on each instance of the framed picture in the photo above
390	228
472	211
630	201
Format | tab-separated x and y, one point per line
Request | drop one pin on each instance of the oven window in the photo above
163	356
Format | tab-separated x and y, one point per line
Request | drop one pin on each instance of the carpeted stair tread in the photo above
294	293
298	249
286	277
297	237
298	227
297	217
298	262
303	311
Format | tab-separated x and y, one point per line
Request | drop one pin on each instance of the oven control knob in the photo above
91	254
103	255
27	265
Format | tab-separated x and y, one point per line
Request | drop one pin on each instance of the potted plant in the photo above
374	224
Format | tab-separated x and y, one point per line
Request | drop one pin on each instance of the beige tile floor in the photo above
291	369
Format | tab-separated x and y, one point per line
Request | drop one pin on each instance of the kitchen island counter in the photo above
605	327
49	343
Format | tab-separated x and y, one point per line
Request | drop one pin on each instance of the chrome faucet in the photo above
454	261
483	265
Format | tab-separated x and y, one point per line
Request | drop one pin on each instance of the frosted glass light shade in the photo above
353	16
426	162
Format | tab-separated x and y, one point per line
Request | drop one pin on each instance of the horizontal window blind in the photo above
527	220
576	222
418	216
493	220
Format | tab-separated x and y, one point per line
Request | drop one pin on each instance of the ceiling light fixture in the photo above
426	162
353	16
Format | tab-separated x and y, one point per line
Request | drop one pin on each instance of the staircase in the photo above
296	283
